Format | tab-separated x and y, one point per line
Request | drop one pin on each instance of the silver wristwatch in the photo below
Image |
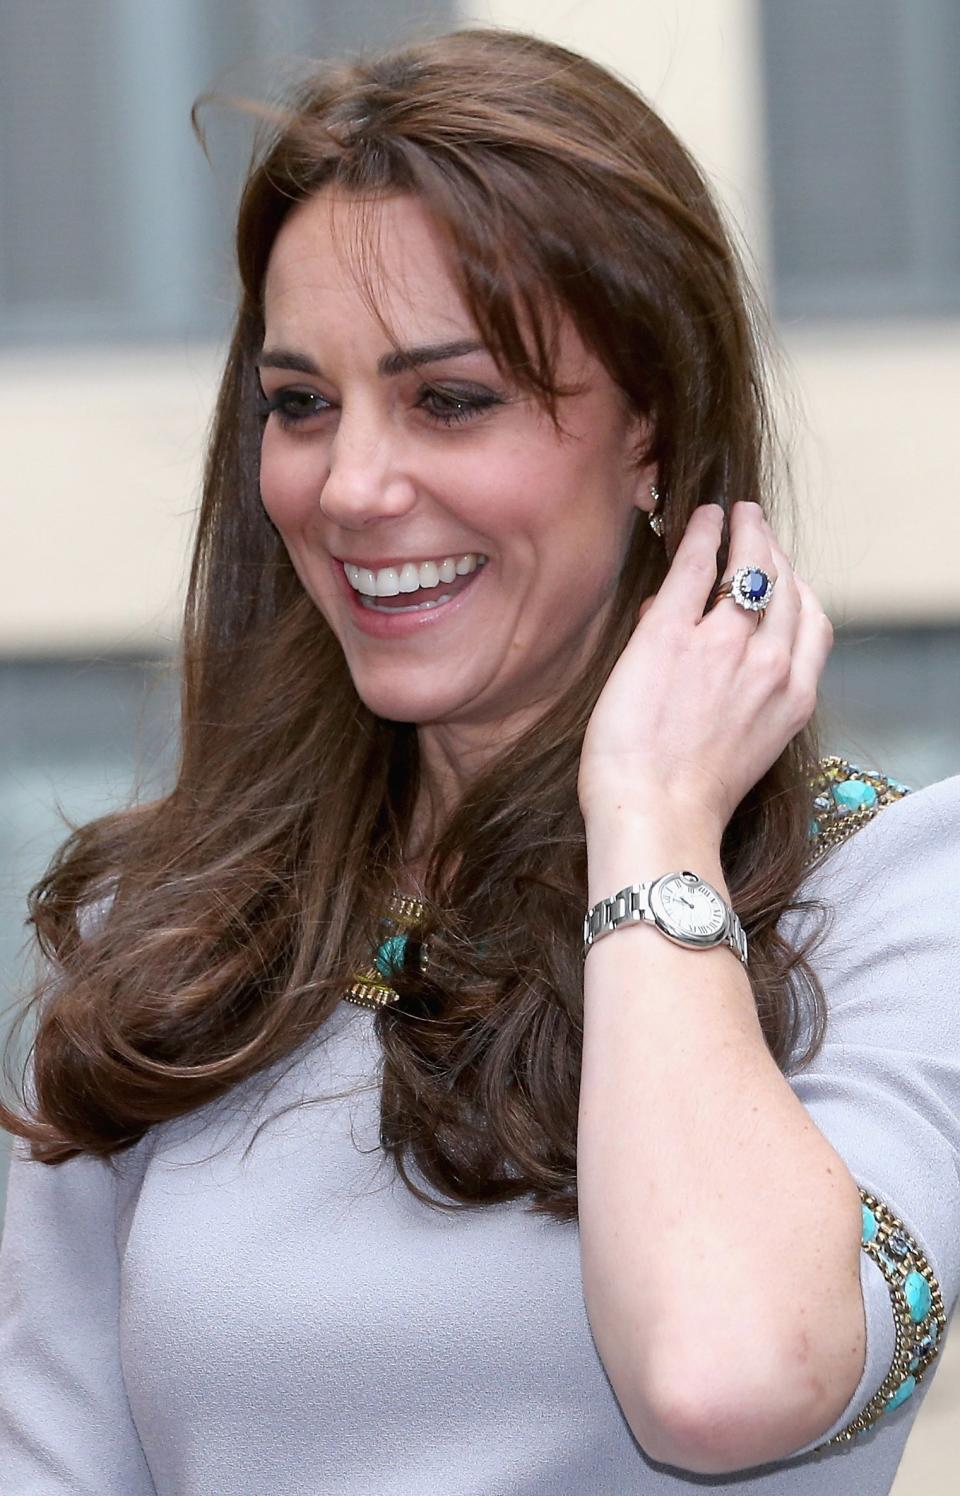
686	908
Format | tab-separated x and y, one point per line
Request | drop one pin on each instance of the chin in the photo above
402	704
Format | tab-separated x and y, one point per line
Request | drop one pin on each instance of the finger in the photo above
749	547
693	571
750	538
782	617
811	651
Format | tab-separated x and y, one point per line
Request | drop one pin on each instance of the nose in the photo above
366	478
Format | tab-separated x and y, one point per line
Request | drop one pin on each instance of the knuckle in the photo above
726	630
702	561
775	660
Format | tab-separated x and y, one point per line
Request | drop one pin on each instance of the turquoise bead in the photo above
869	1224
852	794
904	1391
919	1297
389	957
814	828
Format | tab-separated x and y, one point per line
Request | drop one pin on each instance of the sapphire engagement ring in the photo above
749	587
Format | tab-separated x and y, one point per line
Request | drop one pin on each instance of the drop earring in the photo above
656	518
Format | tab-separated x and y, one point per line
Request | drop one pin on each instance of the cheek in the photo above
584	587
290	483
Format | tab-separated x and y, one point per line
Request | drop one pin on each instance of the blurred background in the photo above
832	134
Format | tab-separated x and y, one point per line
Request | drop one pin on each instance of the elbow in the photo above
709	1426
749	1400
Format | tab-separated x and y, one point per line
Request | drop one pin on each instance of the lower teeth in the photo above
434	602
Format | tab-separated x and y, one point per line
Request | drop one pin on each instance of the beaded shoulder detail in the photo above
846	797
916	1301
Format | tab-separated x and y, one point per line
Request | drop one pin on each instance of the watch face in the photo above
686	906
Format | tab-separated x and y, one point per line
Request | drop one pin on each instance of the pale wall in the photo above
102	449
102	452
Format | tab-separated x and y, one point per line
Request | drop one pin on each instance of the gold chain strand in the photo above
898	1256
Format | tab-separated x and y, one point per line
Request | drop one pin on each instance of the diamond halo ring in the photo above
750	587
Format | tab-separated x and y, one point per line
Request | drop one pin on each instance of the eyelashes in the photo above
292	408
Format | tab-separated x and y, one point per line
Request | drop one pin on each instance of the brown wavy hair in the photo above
242	902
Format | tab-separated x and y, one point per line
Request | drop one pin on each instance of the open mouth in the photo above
412	590
421	601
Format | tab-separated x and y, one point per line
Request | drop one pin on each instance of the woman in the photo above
486	623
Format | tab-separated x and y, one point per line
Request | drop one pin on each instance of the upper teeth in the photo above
390	580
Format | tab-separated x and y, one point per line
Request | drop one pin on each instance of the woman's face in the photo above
367	474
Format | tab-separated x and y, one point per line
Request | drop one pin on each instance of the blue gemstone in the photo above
389	957
919	1297
869	1224
851	794
754	585
898	1245
904	1391
914	1363
814	828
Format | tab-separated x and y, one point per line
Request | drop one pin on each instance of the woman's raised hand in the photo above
699	706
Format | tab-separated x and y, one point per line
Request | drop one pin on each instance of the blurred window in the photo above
863	140
113	224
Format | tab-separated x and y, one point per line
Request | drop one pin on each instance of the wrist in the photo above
628	848
649	812
612	796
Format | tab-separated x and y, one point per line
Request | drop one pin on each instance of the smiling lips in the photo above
392	586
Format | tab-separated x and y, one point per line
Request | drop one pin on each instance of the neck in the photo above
450	757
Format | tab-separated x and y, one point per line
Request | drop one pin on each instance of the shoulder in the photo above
891	943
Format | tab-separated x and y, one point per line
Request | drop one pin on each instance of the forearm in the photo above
719	1228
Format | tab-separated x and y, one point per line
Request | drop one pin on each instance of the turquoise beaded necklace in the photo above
371	987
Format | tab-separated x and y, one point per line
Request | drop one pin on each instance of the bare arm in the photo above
730	1337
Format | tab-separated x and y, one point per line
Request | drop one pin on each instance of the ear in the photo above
642	469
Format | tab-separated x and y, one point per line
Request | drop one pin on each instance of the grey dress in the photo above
295	1322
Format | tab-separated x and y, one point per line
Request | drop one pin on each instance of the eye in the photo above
449	407
291	406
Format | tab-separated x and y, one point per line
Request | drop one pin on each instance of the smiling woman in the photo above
365	465
490	652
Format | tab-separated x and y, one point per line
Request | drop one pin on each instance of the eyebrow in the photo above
390	364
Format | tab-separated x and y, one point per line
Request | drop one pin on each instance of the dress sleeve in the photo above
884	1088
65	1424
